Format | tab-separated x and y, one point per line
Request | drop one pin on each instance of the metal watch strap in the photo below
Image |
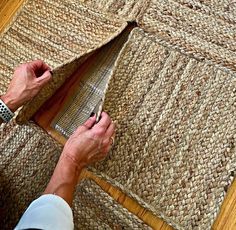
5	113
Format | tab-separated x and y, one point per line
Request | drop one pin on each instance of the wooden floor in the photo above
227	217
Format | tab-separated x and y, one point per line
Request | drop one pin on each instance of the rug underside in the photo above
88	92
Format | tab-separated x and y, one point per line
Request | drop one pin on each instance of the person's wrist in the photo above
69	162
10	101
75	159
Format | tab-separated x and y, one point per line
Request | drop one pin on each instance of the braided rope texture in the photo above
27	160
95	209
203	29
175	142
128	9
28	157
58	32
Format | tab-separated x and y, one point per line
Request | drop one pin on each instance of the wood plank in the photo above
226	219
8	9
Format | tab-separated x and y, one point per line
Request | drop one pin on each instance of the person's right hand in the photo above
28	79
90	142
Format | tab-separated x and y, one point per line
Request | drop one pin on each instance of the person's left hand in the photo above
28	79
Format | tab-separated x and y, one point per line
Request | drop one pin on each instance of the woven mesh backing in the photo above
58	32
95	209
203	29
89	92
175	144
27	159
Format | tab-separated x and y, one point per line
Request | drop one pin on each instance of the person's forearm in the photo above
10	102
64	179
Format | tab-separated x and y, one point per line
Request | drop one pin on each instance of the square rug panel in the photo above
174	150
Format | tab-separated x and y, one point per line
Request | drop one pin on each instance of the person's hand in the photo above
90	142
28	79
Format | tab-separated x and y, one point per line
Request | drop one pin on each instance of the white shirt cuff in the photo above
47	212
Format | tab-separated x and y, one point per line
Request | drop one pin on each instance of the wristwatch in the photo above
5	113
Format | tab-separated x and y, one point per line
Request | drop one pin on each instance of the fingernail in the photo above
92	114
51	72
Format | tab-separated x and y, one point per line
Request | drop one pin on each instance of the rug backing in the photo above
88	92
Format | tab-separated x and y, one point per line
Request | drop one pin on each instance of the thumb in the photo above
45	78
90	122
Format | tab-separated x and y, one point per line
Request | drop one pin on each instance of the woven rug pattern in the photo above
203	29
129	9
175	145
58	32
172	95
27	159
95	209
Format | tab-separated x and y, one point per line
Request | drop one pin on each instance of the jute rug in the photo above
204	29
128	9
61	33
175	145
27	159
94	209
172	94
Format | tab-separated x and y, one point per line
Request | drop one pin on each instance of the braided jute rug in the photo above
204	29
172	93
59	32
175	144
28	157
128	9
94	209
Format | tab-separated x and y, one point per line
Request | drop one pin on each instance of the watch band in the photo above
5	113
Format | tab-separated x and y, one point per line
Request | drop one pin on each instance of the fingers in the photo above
98	130
87	125
39	68
104	122
39	65
110	131
107	141
90	122
45	78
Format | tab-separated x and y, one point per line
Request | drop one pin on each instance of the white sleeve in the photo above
47	212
